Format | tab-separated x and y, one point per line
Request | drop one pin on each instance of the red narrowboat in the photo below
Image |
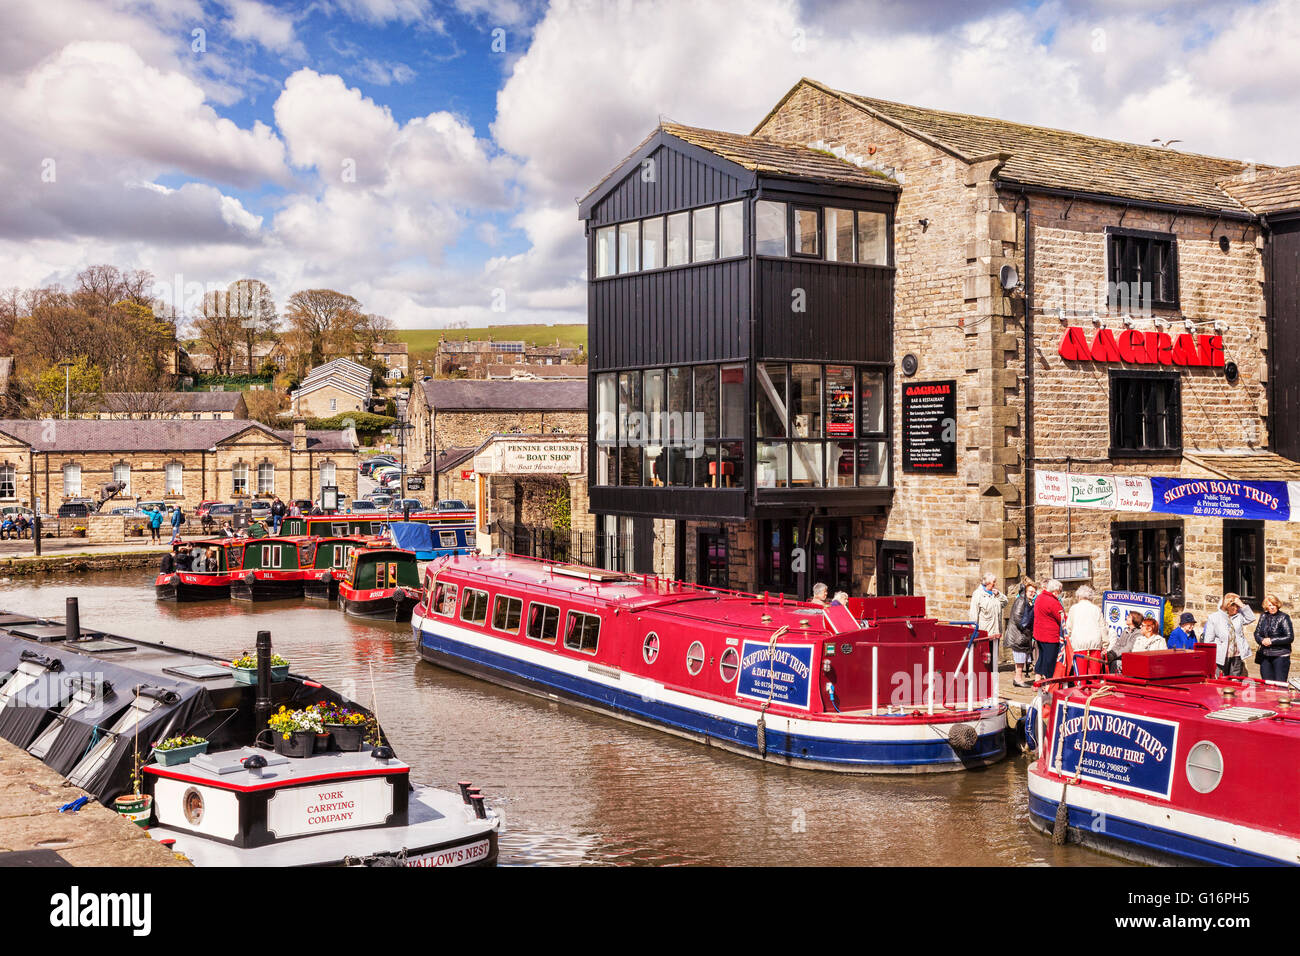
381	582
1168	763
223	559
873	687
330	566
273	569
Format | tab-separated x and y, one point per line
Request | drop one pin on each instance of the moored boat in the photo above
349	524
89	707
329	566
273	569
880	688
1168	763
184	584
382	583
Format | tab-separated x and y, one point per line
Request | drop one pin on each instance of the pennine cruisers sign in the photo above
1143	348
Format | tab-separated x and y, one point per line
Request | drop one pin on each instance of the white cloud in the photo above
385	73
250	20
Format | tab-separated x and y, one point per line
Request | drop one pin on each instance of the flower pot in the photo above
248	675
299	744
136	807
322	742
347	736
177	755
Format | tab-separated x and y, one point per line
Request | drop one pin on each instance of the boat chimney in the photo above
480	809
73	621
262	706
464	790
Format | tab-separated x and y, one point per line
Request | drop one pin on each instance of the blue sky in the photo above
233	161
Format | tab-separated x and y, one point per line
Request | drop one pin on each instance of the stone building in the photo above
44	463
1154	252
534	370
394	356
195	406
336	387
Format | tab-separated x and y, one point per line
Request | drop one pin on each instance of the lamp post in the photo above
400	429
67	386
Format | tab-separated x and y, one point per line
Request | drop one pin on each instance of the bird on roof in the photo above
1165	143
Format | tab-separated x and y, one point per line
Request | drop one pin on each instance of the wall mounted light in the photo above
925	224
1060	315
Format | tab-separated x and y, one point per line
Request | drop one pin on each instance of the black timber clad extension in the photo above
676	316
1284	315
683	176
848	313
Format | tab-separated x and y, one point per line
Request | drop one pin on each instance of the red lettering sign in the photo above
1142	348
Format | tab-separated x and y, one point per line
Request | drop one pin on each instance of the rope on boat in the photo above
771	689
1061	826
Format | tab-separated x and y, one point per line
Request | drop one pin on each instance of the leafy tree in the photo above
80	384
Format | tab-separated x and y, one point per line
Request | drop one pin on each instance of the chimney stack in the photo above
300	434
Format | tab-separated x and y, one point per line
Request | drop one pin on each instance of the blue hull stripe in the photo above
1121	834
885	753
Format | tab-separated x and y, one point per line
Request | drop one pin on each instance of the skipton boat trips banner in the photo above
1195	497
782	675
1118	750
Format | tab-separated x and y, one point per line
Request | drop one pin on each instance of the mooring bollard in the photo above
72	622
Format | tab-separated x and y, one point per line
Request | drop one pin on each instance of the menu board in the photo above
930	427
839	401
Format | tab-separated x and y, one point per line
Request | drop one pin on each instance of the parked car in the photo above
381	501
304	504
363	506
451	504
221	512
127	512
368	466
398	505
203	507
74	509
162	506
260	507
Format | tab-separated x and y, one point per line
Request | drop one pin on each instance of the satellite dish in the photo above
1009	278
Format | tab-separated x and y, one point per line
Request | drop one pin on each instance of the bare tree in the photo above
322	324
218	330
251	301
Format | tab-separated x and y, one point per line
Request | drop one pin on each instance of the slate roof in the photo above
169	401
1268	191
157	435
1058	159
452	394
1246	465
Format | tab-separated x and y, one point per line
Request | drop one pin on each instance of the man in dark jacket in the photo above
277	514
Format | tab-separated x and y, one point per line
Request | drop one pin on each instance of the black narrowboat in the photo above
382	583
185	584
273	569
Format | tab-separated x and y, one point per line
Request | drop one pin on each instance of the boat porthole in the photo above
729	664
650	648
192	805
695	658
1204	767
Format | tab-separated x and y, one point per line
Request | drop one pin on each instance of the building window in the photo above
239	478
1243	561
652	244
769	228
704	234
1145	414
72	481
334	404
839	235
1147	558
629	247
711	567
8	482
731	230
605	247
172	478
873	238
1142	270
679	236
807	232
122	478
327	474
266	478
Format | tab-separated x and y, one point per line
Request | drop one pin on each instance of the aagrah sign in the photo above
1142	348
1195	497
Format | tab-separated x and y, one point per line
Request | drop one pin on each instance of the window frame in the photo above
1231	567
234	478
1126	376
1112	276
180	480
507	598
1146	565
439	591
528	622
792	244
579	648
465	605
76	467
9	476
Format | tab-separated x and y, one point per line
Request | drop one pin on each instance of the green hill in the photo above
426	340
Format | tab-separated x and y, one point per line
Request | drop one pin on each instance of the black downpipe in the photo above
1029	470
262	707
73	621
36	533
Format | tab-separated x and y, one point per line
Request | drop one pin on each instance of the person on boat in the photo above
1117	645
1274	635
1049	618
1018	637
277	514
1226	628
819	595
1183	637
1149	637
1084	627
168	563
841	598
213	564
986	606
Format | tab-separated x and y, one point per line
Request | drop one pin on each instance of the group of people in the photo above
1039	624
184	557
15	526
155	516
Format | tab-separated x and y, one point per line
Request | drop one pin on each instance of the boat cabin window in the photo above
474	606
270	556
582	632
543	622
444	599
650	648
729	665
506	613
695	658
386	574
447	539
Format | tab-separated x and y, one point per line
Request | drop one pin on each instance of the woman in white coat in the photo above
1226	628
986	606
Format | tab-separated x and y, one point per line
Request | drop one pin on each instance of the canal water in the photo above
580	788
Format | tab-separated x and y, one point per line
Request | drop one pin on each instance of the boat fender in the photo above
762	734
963	737
382	754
